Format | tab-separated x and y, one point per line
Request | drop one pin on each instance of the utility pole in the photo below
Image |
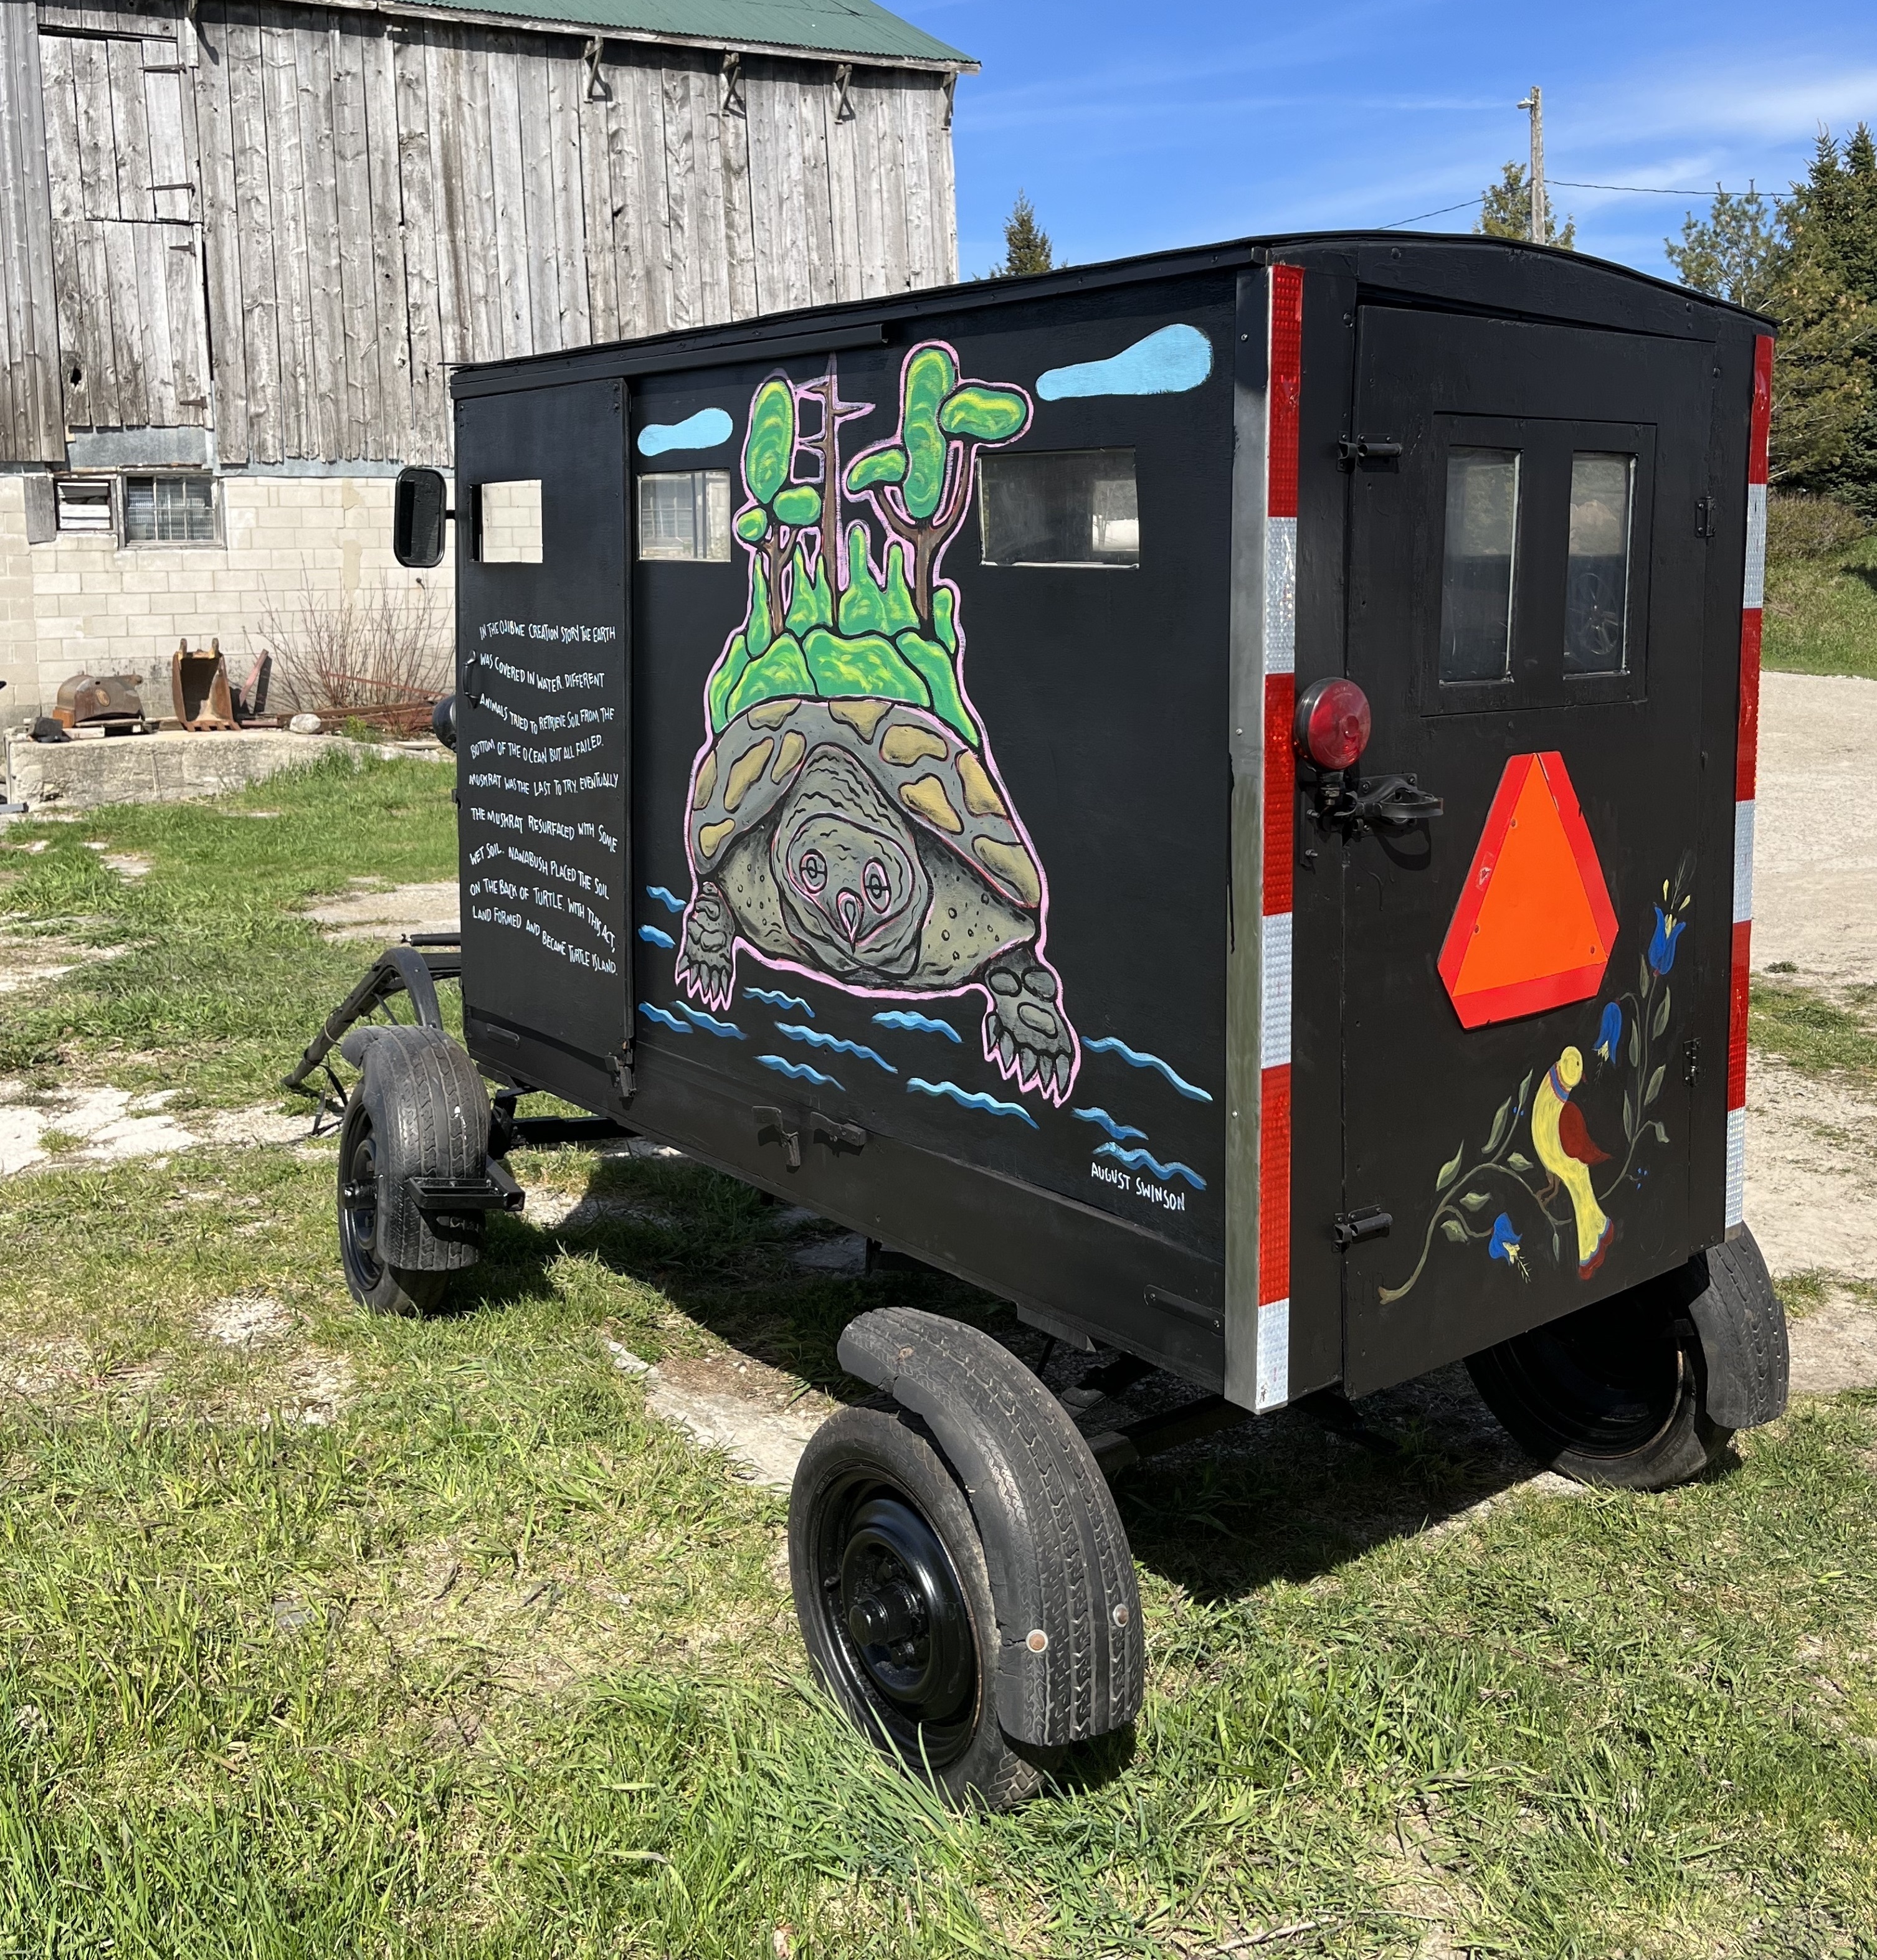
1540	213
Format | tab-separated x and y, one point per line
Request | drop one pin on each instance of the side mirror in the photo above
418	515
443	721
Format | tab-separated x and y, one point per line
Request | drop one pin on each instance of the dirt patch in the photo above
241	1319
1835	1347
30	962
109	1125
386	914
1812	1170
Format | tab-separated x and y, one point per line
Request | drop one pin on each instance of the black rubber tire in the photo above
1611	1395
419	1109
857	1464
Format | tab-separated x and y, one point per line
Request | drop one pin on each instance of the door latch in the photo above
1351	450
773	1128
1691	1061
1369	1221
1392	802
837	1135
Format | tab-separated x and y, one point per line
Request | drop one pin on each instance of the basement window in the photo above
84	505
169	511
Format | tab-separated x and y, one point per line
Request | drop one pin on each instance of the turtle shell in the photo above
922	766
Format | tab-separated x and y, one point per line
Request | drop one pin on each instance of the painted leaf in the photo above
758	626
1643	977
863	604
1659	1020
1524	1090
753	526
809	604
984	414
771	441
1629	1114
723	681
1455	1230
1502	1122
943	617
928	378
929	662
1557	1249
1662	1135
902	615
780	671
1475	1199
1655	1085
800	505
1635	1044
1519	1162
877	466
1451	1170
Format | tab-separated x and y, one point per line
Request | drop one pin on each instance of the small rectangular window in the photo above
1597	588
169	511
1071	507
511	522
1476	577
84	504
685	513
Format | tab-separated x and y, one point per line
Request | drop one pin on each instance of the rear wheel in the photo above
1613	1394
373	1281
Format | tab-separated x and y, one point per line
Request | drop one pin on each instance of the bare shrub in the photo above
381	657
1799	526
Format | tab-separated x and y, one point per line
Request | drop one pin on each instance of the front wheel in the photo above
894	1601
373	1281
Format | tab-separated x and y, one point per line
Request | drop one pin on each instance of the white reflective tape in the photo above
1280	595
1754	595
1274	993
1274	1389
1743	863
1736	1192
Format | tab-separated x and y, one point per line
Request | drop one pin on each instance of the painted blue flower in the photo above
1610	1031
1662	948
1504	1244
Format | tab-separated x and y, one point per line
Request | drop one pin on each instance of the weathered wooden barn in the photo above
242	244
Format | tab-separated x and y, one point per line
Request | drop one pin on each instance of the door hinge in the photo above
1704	517
1367	1221
1691	1061
620	1063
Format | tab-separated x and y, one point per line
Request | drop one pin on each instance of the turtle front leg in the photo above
706	963
1025	1031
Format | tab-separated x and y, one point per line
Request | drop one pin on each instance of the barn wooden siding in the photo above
342	204
30	420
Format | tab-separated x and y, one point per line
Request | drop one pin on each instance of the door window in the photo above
1476	582
1596	596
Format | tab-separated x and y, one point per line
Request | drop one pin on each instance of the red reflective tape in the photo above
1280	790
1286	390
1762	422
1747	754
1274	1185
1737	1016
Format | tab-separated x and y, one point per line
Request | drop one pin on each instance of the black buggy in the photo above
1210	797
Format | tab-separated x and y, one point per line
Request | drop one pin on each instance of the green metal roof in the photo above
856	27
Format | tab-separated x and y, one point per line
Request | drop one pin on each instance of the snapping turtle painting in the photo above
846	818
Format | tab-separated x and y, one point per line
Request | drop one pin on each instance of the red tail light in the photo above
1333	722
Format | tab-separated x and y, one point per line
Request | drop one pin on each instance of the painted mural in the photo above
847	817
1542	1185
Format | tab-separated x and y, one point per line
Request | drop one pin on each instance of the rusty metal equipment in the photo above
109	703
199	688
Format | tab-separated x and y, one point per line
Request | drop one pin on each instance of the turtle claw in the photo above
706	966
1025	1032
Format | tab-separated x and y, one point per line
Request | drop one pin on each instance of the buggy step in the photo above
496	1191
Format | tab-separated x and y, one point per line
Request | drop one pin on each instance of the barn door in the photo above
544	739
1526	619
127	249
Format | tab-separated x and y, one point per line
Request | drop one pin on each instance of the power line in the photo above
1441	213
1654	190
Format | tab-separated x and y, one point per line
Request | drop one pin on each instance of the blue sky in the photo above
1134	128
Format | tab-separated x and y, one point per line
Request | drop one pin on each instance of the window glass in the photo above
84	503
1476	582
512	522
685	513
1597	589
1071	507
169	511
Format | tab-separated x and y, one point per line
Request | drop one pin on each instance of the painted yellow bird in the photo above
1562	1140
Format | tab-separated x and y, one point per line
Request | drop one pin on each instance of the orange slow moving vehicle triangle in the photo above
1534	927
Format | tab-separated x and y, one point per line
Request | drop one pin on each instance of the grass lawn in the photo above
322	1634
1821	612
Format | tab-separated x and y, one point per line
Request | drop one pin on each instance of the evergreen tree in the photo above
1026	244
1506	211
1733	252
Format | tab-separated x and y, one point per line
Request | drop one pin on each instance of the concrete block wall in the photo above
79	603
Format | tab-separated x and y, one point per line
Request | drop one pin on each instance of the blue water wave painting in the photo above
1168	362
1135	1159
774	999
704	430
663	1019
723	1030
669	900
816	1039
653	936
1112	1045
1121	1132
922	1024
796	1071
976	1099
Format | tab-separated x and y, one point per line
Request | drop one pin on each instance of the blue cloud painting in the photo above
1168	362
704	430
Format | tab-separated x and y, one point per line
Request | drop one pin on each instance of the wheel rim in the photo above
1607	1381
895	1620
358	1206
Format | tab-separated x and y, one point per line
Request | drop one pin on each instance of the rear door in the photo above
1525	616
544	735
